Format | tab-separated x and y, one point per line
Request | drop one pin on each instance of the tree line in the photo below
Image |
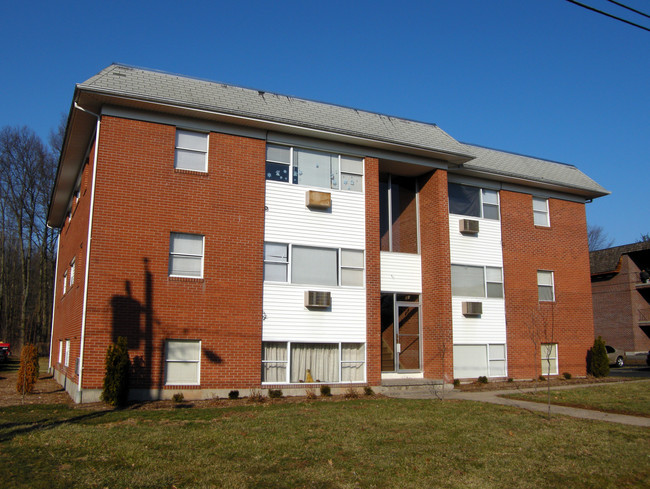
27	245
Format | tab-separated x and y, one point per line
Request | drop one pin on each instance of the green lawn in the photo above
624	398
385	443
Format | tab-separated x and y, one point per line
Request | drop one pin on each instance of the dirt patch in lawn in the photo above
46	390
539	384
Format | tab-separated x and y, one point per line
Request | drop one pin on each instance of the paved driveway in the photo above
630	371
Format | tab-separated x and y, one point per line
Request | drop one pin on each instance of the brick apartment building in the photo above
244	239
621	297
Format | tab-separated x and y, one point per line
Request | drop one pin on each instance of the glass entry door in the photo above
400	333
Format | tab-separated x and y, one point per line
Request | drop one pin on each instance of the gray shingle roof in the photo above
219	97
606	261
537	170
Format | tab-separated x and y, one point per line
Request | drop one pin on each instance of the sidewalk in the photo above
492	397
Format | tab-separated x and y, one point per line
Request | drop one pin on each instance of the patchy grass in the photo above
626	398
381	443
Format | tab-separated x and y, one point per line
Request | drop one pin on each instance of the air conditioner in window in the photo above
318	299
468	226
472	308
318	200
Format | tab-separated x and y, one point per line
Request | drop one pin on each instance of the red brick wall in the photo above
562	248
616	309
373	278
436	277
140	200
69	305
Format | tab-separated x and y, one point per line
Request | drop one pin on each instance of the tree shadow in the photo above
16	429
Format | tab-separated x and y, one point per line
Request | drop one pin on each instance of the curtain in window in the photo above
315	168
549	359
540	211
497	360
464	200
274	362
314	266
322	360
467	281
191	148
352	362
185	254
182	362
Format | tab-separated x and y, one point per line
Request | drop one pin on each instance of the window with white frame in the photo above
67	353
545	285
276	262
182	362
549	359
72	272
308	265
60	351
471	361
314	168
466	200
186	255
284	362
191	151
476	281
540	212
65	281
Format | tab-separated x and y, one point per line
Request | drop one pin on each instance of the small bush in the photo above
541	378
310	393
482	379
275	393
115	390
510	379
256	396
367	390
566	375
325	391
351	393
233	395
597	361
456	382
29	370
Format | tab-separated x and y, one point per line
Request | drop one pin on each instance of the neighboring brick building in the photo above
621	298
242	239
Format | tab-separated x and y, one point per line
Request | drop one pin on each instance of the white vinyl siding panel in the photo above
287	318
490	327
401	272
483	249
288	220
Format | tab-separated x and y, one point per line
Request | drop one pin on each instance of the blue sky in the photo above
540	77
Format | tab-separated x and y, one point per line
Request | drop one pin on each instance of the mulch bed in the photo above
539	384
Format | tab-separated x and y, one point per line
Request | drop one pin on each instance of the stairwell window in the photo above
545	286
191	151
540	212
186	255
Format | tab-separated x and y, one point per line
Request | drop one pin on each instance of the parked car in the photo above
616	357
5	351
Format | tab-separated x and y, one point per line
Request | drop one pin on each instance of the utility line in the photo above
607	15
629	8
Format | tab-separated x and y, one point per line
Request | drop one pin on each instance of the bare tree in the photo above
645	238
598	238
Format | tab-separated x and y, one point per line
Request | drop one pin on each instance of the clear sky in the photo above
539	77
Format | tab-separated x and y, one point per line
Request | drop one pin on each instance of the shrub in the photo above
597	361
510	379
275	393
178	397
233	395
256	396
482	379
367	390
310	393
325	390
456	382
566	375
115	390
351	393
29	369
541	378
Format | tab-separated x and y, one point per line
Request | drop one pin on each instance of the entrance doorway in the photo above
400	333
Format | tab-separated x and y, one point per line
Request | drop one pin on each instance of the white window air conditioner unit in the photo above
472	308
321	300
468	226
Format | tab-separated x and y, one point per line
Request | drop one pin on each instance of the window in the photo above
276	262
398	214
352	267
497	360
182	362
471	361
313	266
545	287
540	212
60	351
65	281
72	270
549	359
473	201
186	255
67	353
313	362
191	151
476	281
314	168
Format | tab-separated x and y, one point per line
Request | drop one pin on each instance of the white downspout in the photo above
87	271
56	274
